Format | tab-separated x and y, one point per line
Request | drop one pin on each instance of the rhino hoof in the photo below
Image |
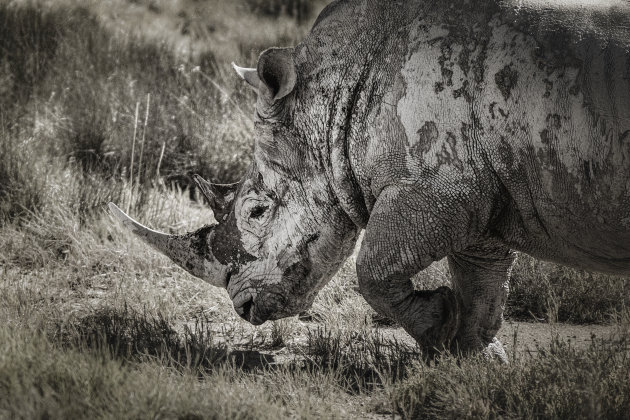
495	351
492	350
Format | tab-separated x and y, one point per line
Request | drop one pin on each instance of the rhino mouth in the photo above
247	309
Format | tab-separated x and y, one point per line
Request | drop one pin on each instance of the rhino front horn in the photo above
190	251
219	196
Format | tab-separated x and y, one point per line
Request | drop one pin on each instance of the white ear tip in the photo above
239	70
248	75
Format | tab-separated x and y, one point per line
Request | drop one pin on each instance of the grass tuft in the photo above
552	292
561	382
127	335
364	360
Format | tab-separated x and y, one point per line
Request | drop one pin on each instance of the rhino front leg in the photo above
404	235
481	283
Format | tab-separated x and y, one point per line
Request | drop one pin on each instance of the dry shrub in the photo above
553	292
301	10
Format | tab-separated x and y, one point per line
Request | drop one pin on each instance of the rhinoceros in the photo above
466	129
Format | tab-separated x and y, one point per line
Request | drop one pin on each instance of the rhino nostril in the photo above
246	309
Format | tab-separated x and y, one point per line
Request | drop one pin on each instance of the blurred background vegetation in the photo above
72	74
85	83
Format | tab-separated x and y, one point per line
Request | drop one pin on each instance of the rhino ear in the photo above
249	75
276	71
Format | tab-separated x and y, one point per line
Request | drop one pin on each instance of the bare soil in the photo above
527	339
531	336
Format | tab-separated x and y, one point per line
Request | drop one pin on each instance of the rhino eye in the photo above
258	211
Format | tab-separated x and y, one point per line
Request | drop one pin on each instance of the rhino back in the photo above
561	132
537	96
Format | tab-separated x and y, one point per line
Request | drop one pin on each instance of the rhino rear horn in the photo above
219	196
190	251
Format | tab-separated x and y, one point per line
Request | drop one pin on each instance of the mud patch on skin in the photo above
427	135
506	80
297	272
199	241
554	121
448	154
545	137
227	246
463	91
445	63
548	88
496	111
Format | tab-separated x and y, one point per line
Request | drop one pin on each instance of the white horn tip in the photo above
127	221
117	212
250	75
112	206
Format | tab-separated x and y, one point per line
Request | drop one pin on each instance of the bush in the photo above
542	290
72	88
553	292
298	9
28	41
132	336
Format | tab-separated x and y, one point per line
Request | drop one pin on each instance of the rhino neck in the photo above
337	146
342	146
353	77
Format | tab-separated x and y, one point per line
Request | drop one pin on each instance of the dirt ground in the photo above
524	338
530	336
527	337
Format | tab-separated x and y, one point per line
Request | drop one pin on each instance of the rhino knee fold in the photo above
430	316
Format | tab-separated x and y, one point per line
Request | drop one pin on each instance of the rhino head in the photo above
282	232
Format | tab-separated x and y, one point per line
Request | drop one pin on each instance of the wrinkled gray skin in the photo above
463	129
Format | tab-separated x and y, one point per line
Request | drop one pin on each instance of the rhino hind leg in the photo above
480	279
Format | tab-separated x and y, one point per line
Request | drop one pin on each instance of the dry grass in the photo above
561	383
93	324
